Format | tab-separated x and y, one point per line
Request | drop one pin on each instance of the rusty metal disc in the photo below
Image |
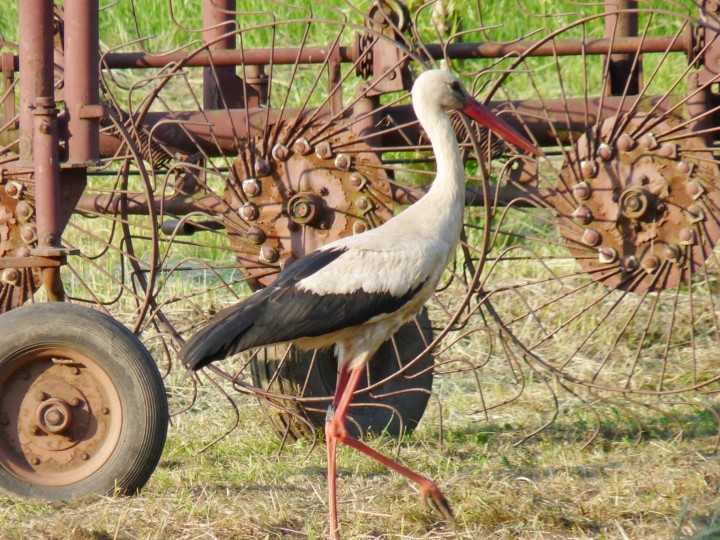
61	416
302	198
638	214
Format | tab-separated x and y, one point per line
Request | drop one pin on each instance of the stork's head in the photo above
441	87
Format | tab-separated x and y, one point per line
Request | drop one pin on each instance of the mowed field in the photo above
606	468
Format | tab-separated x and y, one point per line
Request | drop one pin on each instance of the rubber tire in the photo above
407	396
133	373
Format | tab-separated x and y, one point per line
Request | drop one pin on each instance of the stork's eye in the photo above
455	87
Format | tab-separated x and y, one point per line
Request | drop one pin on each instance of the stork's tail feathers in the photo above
225	335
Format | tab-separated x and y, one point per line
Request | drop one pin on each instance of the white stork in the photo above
356	292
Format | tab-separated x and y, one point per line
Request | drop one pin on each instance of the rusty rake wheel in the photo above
214	176
83	409
603	264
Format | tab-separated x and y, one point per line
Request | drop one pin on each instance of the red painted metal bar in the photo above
36	60
460	51
82	59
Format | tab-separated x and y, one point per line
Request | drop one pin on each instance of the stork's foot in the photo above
433	497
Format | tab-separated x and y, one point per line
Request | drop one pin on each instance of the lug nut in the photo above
588	168
280	152
343	162
582	191
607	255
323	150
686	237
650	264
249	211
251	187
262	167
268	254
302	147
590	237
625	142
582	214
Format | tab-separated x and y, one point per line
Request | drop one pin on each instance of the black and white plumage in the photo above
356	292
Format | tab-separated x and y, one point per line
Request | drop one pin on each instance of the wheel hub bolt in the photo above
53	415
582	214
685	168
582	191
268	254
10	276
343	162
650	263
630	263
249	211
625	142
262	167
695	190
588	168
671	253
648	141
604	151
280	152
607	255
302	147
251	187
590	237
686	237
634	202
323	150
668	150
695	213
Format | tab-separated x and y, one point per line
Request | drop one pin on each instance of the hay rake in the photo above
157	178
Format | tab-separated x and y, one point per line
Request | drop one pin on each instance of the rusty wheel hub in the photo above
637	213
60	417
302	197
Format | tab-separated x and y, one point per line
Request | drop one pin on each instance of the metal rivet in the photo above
255	236
362	203
686	237
358	181
648	141
671	253
280	152
251	187
630	263
28	234
75	402
359	227
685	167
10	276
695	190
23	211
695	213
14	189
668	150
41	396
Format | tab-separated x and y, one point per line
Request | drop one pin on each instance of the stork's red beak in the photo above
477	111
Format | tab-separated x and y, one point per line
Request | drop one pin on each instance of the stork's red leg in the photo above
331	444
335	431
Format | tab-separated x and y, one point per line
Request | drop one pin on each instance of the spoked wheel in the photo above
83	409
292	150
603	266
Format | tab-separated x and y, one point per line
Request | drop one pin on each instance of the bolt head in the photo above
302	147
582	191
671	253
84	456
35	461
630	263
280	152
255	236
588	168
668	150
695	190
24	211
604	151
268	254
343	162
686	236
323	150
357	180
359	227
582	214
104	410
251	187
685	168
41	396
14	189
590	237
249	211
362	203
648	141
607	255
625	142
28	234
262	167
11	276
695	213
